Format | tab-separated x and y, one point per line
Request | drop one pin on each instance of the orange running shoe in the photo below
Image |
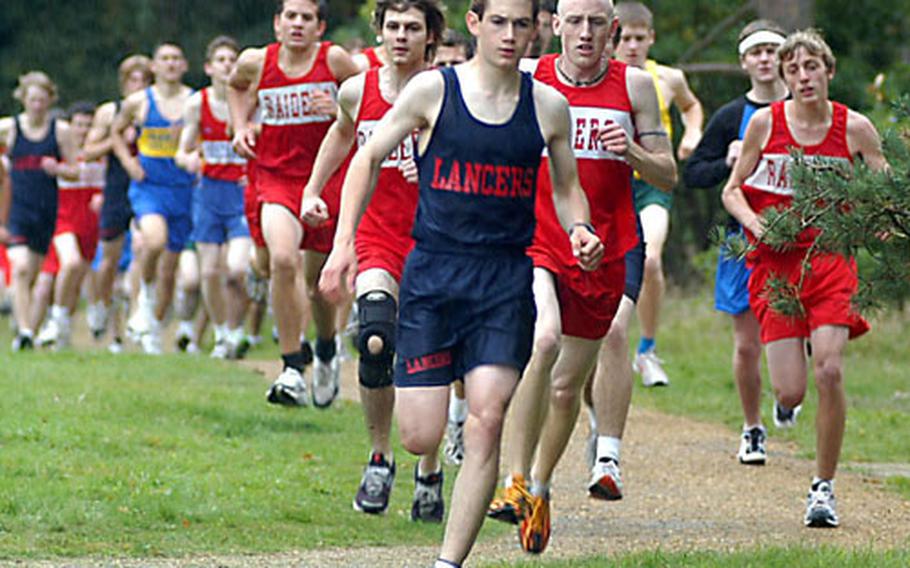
534	531
512	505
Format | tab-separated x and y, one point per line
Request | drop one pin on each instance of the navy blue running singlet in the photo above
478	180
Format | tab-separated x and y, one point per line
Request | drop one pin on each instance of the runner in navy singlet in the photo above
135	74
40	150
466	302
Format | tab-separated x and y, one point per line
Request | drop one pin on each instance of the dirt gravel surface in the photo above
684	490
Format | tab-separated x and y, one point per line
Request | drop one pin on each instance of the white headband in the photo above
759	38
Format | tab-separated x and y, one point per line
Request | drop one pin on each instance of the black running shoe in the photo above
375	486
428	505
821	506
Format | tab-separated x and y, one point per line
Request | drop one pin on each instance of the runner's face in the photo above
222	63
298	26
36	101
634	43
80	124
807	77
504	32
585	27
760	62
169	63
404	36
544	30
448	55
135	81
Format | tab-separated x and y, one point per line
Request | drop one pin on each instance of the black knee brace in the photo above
377	313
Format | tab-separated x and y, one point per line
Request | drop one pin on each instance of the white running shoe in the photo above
289	389
648	365
64	333
325	381
752	446
606	480
151	339
784	417
116	347
96	317
138	324
821	506
454	450
48	334
184	336
221	350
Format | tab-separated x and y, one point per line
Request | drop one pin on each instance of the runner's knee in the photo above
653	265
377	314
283	263
563	394
790	397
546	344
828	375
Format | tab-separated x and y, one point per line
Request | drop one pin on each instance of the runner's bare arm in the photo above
568	196
693	115
68	166
128	115
652	155
7	124
241	102
340	63
5	195
98	140
863	139
757	134
187	156
339	139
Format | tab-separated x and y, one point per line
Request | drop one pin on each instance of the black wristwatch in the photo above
587	226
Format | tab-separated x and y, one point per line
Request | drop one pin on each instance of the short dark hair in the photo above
454	38
166	43
218	43
322	9
632	13
548	6
432	12
80	107
479	6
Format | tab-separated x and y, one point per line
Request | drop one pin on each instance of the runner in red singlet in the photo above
409	31
219	229
615	123
76	233
829	134
371	57
296	81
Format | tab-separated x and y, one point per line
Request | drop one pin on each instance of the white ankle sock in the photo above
458	409
608	447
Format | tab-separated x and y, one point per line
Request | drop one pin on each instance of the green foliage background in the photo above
80	43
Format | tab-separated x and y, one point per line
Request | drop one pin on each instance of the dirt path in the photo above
684	491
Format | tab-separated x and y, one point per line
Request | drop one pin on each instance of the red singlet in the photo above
384	235
220	161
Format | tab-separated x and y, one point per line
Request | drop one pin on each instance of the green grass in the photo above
103	455
135	456
822	557
697	344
